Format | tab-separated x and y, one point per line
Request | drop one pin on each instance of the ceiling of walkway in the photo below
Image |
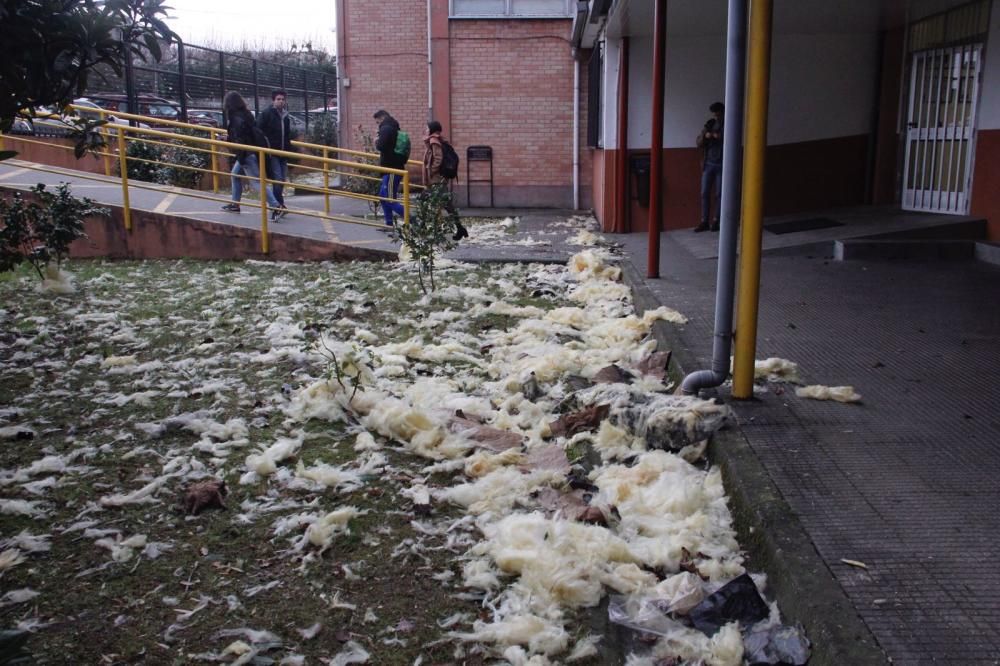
708	17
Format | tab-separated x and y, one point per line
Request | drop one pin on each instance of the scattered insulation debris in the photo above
509	437
837	393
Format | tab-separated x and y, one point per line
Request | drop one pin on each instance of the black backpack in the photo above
449	161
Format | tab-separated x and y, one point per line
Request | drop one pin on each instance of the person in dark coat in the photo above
710	142
385	144
240	129
277	127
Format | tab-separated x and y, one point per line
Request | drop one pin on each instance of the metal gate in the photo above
944	89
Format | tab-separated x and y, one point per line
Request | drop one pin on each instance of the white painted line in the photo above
165	204
11	174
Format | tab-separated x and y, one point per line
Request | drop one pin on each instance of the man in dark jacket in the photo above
710	142
277	127
385	144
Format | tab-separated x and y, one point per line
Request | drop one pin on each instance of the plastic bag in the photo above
737	600
777	645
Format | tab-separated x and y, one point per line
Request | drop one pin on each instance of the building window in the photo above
525	9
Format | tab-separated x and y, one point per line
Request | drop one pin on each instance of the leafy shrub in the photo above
364	182
41	232
180	156
147	171
430	231
322	129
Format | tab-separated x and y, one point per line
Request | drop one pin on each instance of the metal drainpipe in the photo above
576	133
656	144
732	163
430	68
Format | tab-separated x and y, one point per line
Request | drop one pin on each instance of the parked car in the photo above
44	121
148	105
207	117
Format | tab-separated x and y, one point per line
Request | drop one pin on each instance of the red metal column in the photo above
656	149
622	223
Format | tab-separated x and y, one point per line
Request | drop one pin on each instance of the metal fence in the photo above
195	77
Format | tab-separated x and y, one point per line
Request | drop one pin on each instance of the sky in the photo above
256	22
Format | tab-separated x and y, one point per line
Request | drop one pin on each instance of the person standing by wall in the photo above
710	142
240	129
277	127
390	156
435	168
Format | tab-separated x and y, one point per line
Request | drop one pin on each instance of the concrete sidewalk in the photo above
905	482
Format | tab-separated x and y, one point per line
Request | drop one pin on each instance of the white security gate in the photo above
944	87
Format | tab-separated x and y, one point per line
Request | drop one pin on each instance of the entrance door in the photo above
944	88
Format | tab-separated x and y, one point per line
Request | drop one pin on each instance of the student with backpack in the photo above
393	146
440	167
242	129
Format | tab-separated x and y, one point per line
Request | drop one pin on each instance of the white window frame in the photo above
508	12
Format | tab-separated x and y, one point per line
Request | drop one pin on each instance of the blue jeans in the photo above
711	183
390	182
249	168
277	168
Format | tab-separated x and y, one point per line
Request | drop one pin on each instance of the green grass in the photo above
164	311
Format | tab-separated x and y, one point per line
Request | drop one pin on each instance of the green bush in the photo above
147	170
430	231
41	232
322	129
180	156
364	182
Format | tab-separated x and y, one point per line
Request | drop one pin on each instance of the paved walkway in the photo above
907	482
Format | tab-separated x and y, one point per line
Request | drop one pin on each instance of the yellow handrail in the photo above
216	147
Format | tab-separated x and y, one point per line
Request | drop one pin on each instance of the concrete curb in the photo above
771	533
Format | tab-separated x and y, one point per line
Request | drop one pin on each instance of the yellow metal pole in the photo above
215	168
123	165
107	144
406	196
748	296
265	245
326	182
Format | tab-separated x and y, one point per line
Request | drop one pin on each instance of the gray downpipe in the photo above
732	173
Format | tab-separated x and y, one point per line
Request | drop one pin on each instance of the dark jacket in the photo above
385	144
278	130
240	130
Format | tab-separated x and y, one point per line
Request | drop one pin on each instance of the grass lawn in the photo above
153	376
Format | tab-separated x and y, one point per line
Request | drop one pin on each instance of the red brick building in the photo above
500	73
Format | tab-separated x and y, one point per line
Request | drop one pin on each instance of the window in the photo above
512	8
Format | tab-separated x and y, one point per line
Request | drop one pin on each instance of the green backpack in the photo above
403	145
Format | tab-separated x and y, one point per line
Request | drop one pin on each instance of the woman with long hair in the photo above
240	129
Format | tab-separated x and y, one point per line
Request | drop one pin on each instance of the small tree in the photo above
360	183
41	232
430	231
50	47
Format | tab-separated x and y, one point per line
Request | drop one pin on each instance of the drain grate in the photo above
808	224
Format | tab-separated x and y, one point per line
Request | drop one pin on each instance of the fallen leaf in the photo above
855	563
586	419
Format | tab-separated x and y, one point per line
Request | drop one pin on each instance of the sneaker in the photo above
232	207
460	232
700	228
282	211
275	215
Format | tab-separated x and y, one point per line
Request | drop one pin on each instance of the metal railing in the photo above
118	136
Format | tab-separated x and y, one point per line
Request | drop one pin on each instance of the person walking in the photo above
240	129
434	152
277	127
392	157
710	142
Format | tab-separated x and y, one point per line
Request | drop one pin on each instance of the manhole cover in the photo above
808	224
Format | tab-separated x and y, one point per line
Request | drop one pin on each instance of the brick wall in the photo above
386	60
510	87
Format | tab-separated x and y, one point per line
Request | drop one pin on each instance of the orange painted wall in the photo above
986	181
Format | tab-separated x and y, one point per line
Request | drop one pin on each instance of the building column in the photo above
440	65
